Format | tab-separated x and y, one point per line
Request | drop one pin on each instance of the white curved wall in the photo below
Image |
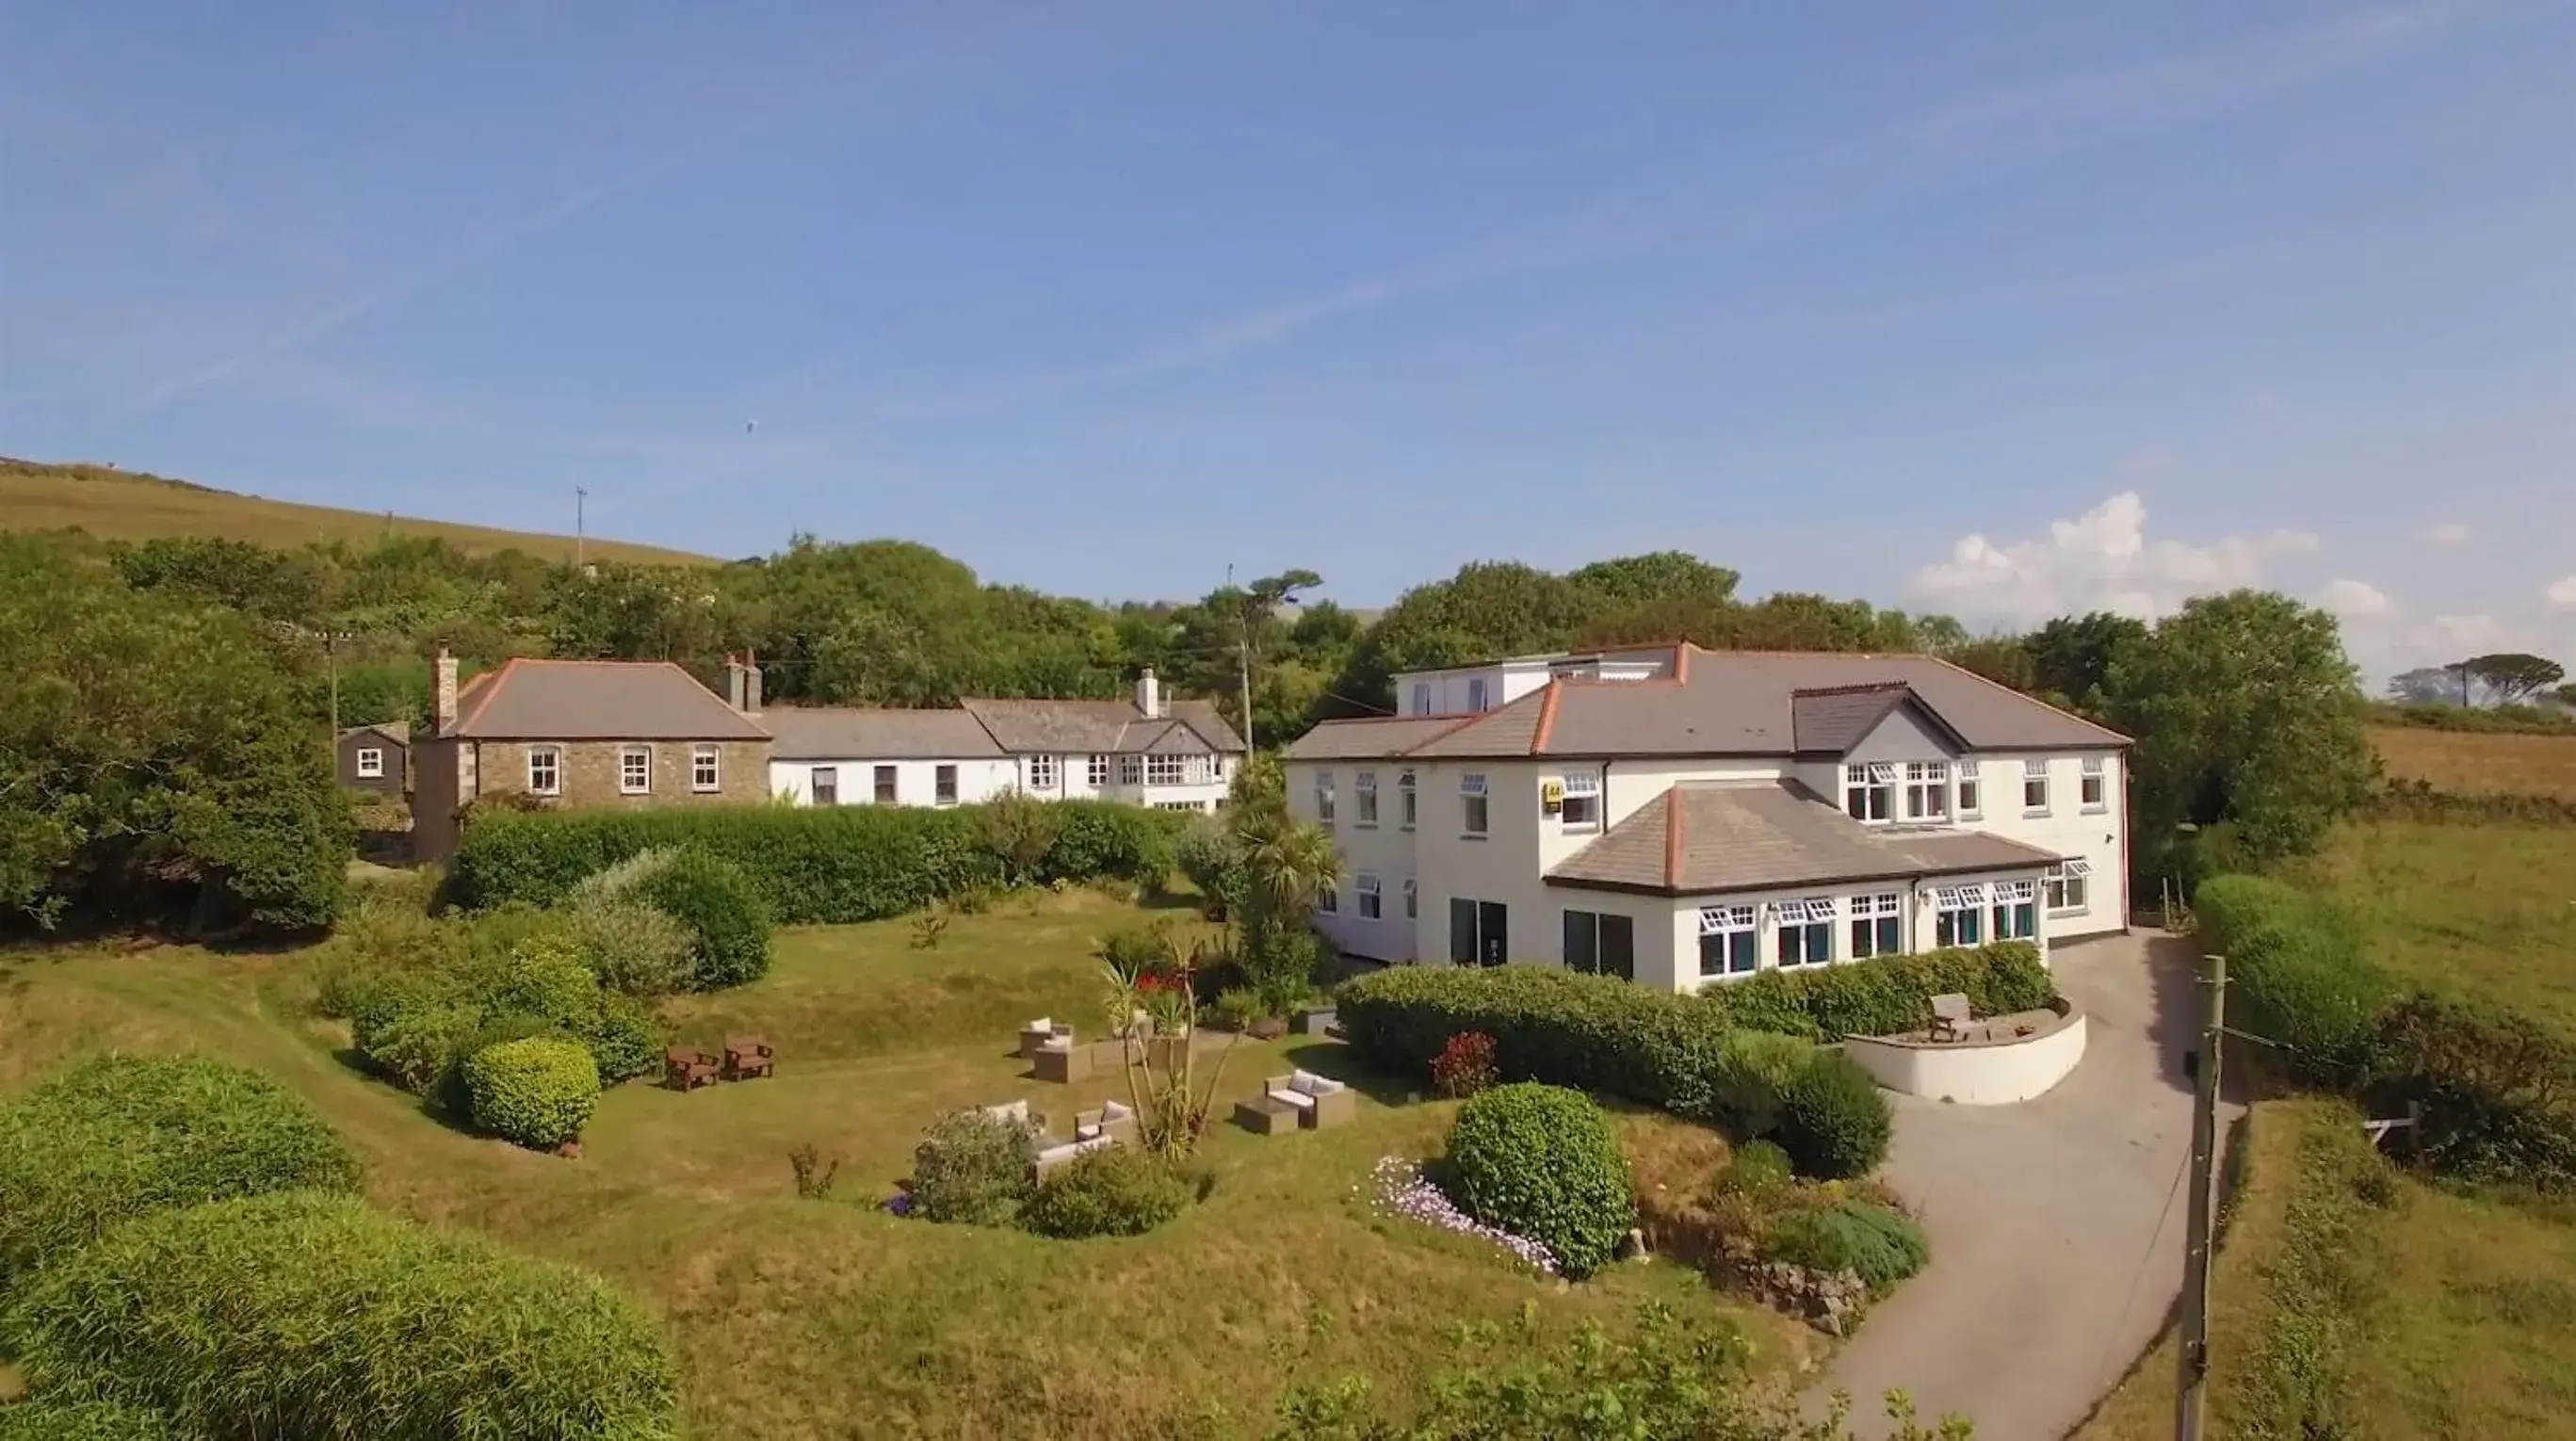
1974	1073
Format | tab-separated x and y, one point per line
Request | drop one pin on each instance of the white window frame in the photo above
1806	915
885	785
635	759
2093	787
1475	806
949	773
1364	799
1324	799
1479	692
1041	773
814	783
1422	697
1968	900
1583	785
2034	772
552	757
1972	794
1166	770
1095	771
371	763
2069	887
1408	800
1372	900
1870	910
1927	790
1412	898
706	769
1731	921
1329	901
1875	782
1131	770
2010	895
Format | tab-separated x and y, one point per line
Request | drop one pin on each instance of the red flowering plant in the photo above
1465	1065
1153	1004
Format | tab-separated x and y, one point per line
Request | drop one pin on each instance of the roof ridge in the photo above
1546	720
2034	700
1673	837
1855	688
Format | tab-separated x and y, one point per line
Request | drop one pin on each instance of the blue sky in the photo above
1995	308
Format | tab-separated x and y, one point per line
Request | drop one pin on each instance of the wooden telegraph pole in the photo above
2189	1401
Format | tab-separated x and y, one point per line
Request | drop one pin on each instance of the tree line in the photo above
162	743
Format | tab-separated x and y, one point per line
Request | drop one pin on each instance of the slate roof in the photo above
397	732
574	700
1101	727
822	733
1370	737
1701	838
1722	703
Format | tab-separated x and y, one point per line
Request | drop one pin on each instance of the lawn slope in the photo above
129	505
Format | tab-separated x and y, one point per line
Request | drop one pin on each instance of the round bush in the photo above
974	1168
1758	1169
1833	1121
634	948
541	976
1110	1192
716	900
1881	1246
414	1048
1540	1161
1745	1083
80	1421
625	1037
123	1135
302	1314
538	1092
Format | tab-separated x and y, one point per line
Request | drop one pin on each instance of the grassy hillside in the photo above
128	505
2477	909
2480	763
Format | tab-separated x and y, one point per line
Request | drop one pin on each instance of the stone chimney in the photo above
1149	694
751	682
444	691
742	684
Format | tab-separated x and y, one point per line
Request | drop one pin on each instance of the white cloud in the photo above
2357	600
2101	560
2563	594
2446	533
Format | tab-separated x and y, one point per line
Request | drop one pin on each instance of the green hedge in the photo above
2296	974
1891	994
1833	1122
1114	1191
417	1027
2498	1089
121	1136
309	1315
538	1092
80	1421
1540	1162
827	865
724	912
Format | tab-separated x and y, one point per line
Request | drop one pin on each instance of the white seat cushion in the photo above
1041	1024
1116	1111
1314	1085
1300	1099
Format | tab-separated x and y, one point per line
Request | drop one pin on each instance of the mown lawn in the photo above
2448	1316
833	1319
2486	909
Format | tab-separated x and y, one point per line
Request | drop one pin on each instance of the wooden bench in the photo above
748	1056
688	1068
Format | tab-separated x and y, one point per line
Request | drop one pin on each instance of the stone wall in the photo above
590	772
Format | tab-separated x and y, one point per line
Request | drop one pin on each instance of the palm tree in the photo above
1288	866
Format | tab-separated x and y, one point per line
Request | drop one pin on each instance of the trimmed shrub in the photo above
626	1038
1891	994
634	948
1753	1070
1114	1191
973	1168
717	901
305	1314
2498	1089
1758	1169
1833	1121
1541	1162
2296	973
1851	1235
538	1092
80	1421
416	1047
813	865
121	1136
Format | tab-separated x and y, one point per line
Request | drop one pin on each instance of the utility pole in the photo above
1243	654
331	658
580	507
2192	1394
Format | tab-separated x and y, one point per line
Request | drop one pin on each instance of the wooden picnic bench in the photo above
688	1068
748	1056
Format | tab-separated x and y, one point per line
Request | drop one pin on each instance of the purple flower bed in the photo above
1402	1190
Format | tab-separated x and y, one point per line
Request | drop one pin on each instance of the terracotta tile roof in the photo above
571	700
1713	837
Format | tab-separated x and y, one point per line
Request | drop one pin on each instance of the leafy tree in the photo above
2428	685
1287	866
2003	659
1659	575
2514	677
154	763
2071	657
2245	711
2565	695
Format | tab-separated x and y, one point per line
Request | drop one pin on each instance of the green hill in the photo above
129	505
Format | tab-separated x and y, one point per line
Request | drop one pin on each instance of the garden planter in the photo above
1268	1028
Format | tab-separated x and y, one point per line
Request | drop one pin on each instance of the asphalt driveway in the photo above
2056	1224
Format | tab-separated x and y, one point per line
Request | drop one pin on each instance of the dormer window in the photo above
1869	791
1475	693
1927	791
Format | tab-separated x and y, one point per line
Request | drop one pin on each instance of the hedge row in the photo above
2418	801
305	1314
827	865
1660	1047
123	1136
2296	975
417	1028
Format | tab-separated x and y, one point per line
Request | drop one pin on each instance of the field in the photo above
2480	763
832	1318
2486	909
127	505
